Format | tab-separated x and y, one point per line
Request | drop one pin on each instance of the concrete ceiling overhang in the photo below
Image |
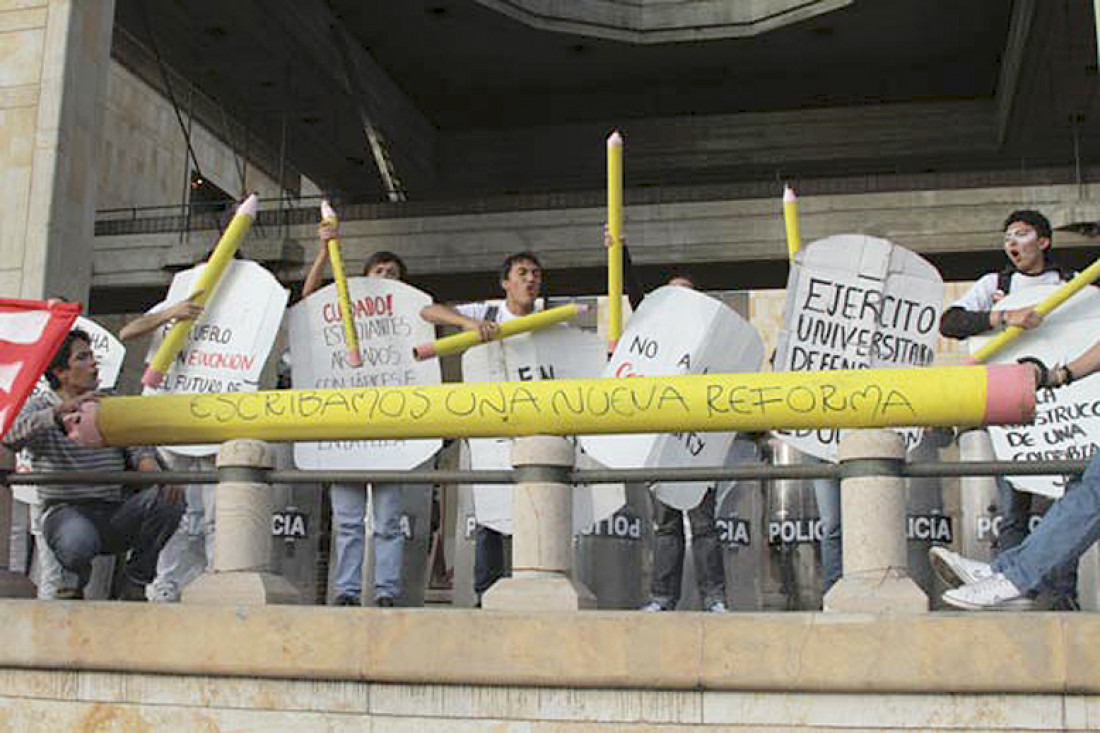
301	76
659	21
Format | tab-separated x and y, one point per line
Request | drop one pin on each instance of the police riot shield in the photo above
465	522
611	558
740	520
1088	580
791	579
465	526
977	498
926	523
298	525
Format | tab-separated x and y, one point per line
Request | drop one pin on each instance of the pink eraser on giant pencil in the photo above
152	377
1009	394
423	352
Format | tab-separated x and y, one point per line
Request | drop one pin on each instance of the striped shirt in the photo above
51	450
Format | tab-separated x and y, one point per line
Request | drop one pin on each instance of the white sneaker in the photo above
995	593
652	607
717	607
163	593
956	570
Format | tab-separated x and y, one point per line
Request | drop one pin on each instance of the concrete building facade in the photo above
437	148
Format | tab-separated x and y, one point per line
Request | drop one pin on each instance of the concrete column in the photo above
242	535
872	500
54	56
12	585
542	532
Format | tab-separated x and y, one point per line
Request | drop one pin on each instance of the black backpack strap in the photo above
492	312
1004	280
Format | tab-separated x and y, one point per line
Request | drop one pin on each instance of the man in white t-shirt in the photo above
521	279
1028	240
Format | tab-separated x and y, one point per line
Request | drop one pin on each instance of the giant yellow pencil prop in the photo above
790	219
615	229
1086	277
467	339
960	395
351	338
202	289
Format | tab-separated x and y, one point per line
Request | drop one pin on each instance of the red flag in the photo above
30	333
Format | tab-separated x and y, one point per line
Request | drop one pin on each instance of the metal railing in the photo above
303	209
750	472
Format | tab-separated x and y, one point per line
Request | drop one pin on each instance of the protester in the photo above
1028	239
248	335
349	500
521	280
1067	530
81	521
669	543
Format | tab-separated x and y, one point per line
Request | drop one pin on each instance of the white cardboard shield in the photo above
856	302
388	322
675	331
557	352
1067	420
229	342
109	351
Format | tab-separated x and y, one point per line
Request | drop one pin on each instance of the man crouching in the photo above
81	521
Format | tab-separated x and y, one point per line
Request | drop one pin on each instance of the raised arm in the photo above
1059	376
634	291
185	309
1087	363
973	313
40	415
316	273
444	315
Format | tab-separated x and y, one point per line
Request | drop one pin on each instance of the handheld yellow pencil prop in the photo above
857	398
790	219
462	341
347	315
1086	277
202	290
615	230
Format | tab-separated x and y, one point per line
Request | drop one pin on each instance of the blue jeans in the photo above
349	506
827	494
78	531
1015	508
1069	528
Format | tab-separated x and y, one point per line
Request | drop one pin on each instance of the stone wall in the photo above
144	160
64	666
448	249
757	146
51	84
